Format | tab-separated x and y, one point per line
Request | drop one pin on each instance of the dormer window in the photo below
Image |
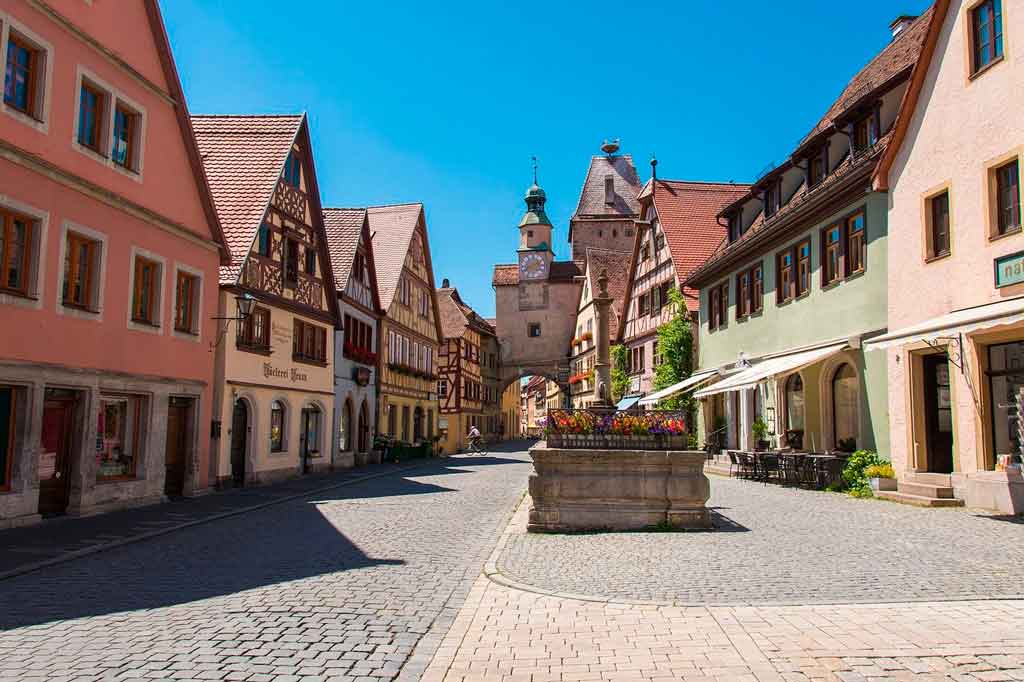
866	132
817	167
772	198
609	190
735	226
293	170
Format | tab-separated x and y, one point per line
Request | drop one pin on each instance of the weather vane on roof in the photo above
534	159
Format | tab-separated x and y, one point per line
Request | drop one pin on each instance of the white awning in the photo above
692	381
1010	311
782	364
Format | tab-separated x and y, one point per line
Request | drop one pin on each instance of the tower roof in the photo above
535	200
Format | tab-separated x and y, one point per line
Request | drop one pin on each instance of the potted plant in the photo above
760	429
881	477
847	445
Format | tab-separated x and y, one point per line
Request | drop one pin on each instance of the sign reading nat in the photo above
1009	269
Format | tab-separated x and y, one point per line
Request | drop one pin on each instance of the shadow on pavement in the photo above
261	548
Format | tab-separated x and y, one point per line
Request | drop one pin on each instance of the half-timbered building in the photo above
461	390
411	327
275	381
677	231
356	343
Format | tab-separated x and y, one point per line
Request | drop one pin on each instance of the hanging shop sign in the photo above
1009	269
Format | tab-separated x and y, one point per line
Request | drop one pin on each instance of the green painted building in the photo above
800	282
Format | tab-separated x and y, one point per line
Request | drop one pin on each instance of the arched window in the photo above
277	426
346	427
364	427
795	403
311	430
417	424
844	408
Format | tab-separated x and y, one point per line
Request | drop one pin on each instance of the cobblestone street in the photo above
340	585
789	546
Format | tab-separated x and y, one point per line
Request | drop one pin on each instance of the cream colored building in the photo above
274	385
411	329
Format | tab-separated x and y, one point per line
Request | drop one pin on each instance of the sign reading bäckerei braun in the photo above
1009	269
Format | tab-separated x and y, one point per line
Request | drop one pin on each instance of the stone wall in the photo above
578	490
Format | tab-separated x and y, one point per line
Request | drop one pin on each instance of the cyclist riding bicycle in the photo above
474	438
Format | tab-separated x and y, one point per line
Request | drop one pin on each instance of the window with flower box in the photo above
358	341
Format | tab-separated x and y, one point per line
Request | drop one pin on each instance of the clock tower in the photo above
535	253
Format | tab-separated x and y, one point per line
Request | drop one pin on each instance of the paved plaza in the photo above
784	545
428	574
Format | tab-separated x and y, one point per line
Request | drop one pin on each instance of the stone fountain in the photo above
615	488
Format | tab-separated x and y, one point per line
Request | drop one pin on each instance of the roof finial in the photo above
534	159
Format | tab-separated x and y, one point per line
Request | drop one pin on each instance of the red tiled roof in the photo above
343	227
453	319
624	180
688	214
391	229
616	265
561	271
243	157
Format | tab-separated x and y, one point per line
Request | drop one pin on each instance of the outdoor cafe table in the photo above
821	471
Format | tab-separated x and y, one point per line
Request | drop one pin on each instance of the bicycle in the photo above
477	447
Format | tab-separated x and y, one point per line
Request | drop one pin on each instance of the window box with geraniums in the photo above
600	430
359	354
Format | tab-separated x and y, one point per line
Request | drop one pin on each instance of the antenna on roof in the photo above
534	159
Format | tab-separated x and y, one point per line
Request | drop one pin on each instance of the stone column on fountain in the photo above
602	368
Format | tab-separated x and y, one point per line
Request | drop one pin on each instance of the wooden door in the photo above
176	451
938	414
56	446
239	441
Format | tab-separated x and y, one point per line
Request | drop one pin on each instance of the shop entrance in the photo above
938	414
239	442
55	451
176	452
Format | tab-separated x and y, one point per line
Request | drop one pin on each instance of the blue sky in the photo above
445	103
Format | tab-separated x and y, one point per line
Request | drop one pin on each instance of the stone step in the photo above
918	500
716	468
925	489
928	478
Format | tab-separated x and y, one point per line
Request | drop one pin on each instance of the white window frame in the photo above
44	89
37	281
114	97
161	289
197	303
100	280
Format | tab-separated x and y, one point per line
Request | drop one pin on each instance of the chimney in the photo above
901	24
444	283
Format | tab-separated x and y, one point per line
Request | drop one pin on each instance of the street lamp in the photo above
244	305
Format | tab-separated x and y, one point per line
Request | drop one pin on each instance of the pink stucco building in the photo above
956	294
109	249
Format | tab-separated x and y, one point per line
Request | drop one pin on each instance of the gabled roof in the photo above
391	228
625	182
344	227
616	265
456	316
688	213
163	45
243	156
507	275
894	61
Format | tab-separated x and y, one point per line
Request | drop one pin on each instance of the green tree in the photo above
675	346
620	375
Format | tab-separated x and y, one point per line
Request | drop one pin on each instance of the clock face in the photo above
532	266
